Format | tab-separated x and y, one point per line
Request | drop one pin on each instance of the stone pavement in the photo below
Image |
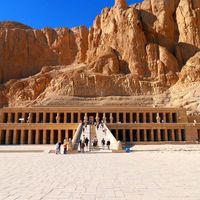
142	175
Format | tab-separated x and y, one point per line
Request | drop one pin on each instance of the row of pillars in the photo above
144	135
123	117
35	136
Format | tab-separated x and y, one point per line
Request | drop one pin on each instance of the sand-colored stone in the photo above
146	49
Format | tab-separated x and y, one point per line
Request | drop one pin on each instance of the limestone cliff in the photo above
150	48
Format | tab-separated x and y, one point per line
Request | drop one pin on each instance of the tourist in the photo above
86	142
95	142
65	148
69	145
103	142
80	142
82	147
108	144
57	147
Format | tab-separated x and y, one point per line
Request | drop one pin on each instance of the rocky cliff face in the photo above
150	48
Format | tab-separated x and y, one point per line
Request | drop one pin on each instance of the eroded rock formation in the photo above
150	48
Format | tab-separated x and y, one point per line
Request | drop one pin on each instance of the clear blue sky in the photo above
54	13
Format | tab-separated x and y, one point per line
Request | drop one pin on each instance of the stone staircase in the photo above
100	135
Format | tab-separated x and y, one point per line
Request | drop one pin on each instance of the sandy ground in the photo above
157	172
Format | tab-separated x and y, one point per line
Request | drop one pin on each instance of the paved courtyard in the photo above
149	173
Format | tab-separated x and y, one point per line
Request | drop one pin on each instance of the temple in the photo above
132	125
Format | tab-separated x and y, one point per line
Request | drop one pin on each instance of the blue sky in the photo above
54	13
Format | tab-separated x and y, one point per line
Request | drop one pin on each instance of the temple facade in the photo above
145	125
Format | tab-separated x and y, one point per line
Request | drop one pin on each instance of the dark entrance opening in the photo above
69	118
55	136
114	115
47	118
25	136
40	120
62	117
75	118
141	119
155	134
148	135
12	117
162	134
128	120
10	138
120	135
183	137
91	117
108	117
121	117
154	117
100	117
18	137
169	134
198	134
147	117
141	135
134	132
33	117
174	117
33	135
82	116
62	135
41	136
70	134
168	118
5	117
55	115
127	134
176	135
48	134
134	117
3	137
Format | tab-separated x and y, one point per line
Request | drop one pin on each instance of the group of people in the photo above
84	143
103	143
67	145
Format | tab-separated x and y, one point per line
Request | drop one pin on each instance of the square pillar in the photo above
131	117
7	136
65	117
59	136
29	137
124	117
44	118
37	137
14	136
173	136
151	117
37	117
145	135
66	135
138	116
44	139
124	135
72	117
52	137
22	137
159	136
138	135
117	115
